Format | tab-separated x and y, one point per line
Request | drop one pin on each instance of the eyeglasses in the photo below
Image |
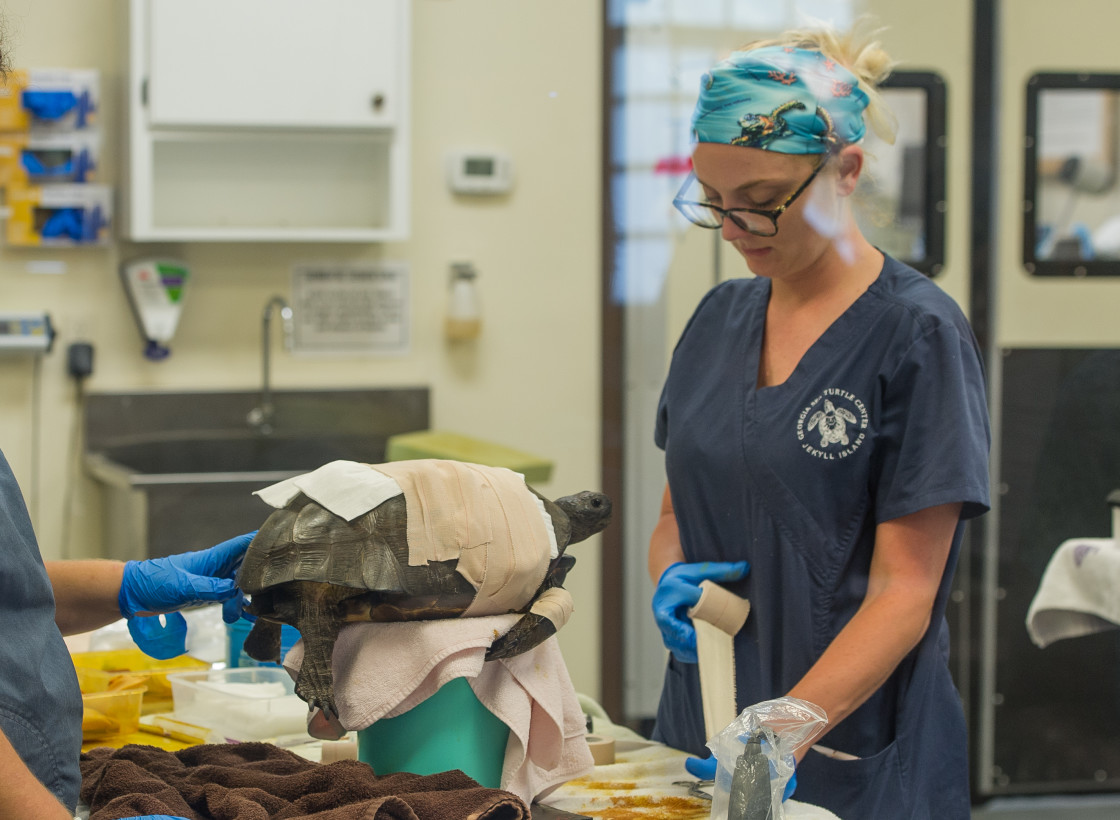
760	222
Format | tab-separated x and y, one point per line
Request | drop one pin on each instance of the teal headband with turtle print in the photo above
780	98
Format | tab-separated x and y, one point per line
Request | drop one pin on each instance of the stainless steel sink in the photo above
233	459
178	470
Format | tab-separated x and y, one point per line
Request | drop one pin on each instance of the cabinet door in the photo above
289	63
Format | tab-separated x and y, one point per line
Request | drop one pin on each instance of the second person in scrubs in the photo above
826	435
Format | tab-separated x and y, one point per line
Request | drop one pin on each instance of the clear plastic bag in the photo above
755	760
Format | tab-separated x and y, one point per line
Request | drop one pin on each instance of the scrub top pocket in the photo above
873	784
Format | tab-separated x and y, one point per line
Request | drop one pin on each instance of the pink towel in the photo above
382	670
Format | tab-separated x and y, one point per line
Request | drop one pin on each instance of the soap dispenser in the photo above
464	318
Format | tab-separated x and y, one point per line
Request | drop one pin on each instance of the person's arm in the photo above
906	569
676	583
21	793
665	542
85	593
90	594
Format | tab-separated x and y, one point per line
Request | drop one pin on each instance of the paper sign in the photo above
349	309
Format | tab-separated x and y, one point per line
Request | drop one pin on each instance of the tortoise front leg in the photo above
318	625
530	631
549	612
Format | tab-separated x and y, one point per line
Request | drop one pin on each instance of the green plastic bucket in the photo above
449	730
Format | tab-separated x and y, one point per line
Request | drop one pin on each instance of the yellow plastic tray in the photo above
107	714
122	669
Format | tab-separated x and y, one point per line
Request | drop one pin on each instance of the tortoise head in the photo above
588	513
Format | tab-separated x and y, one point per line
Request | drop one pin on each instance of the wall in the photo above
522	76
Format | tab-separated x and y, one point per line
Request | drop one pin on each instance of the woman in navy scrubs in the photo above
826	435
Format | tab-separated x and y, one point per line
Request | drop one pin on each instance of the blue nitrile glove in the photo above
705	769
165	585
701	767
65	223
677	590
49	105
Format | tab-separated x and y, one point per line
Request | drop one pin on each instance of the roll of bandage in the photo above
339	750
718	616
602	749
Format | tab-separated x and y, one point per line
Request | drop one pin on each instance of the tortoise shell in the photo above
314	570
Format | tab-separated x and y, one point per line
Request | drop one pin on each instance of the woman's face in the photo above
737	177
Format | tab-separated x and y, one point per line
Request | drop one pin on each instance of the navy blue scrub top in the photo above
884	416
40	703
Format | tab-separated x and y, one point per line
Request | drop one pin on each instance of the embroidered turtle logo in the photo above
833	422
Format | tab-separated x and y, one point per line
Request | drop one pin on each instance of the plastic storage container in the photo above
449	730
107	714
257	703
239	631
122	669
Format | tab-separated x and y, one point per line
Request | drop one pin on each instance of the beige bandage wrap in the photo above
718	616
555	604
484	517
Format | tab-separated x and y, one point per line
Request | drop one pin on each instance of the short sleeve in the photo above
661	423
935	436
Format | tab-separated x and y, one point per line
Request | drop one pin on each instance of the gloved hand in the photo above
156	817
705	769
677	590
701	767
165	585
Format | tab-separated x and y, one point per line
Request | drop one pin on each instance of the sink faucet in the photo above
260	417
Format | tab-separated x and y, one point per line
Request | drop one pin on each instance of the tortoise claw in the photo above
323	702
316	692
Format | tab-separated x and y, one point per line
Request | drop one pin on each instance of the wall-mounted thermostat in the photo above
479	172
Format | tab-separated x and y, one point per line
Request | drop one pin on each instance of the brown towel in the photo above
259	781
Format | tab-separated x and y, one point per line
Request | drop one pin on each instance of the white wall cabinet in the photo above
268	120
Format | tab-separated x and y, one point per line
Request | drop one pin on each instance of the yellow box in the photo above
124	669
108	714
59	215
457	447
13	116
32	159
